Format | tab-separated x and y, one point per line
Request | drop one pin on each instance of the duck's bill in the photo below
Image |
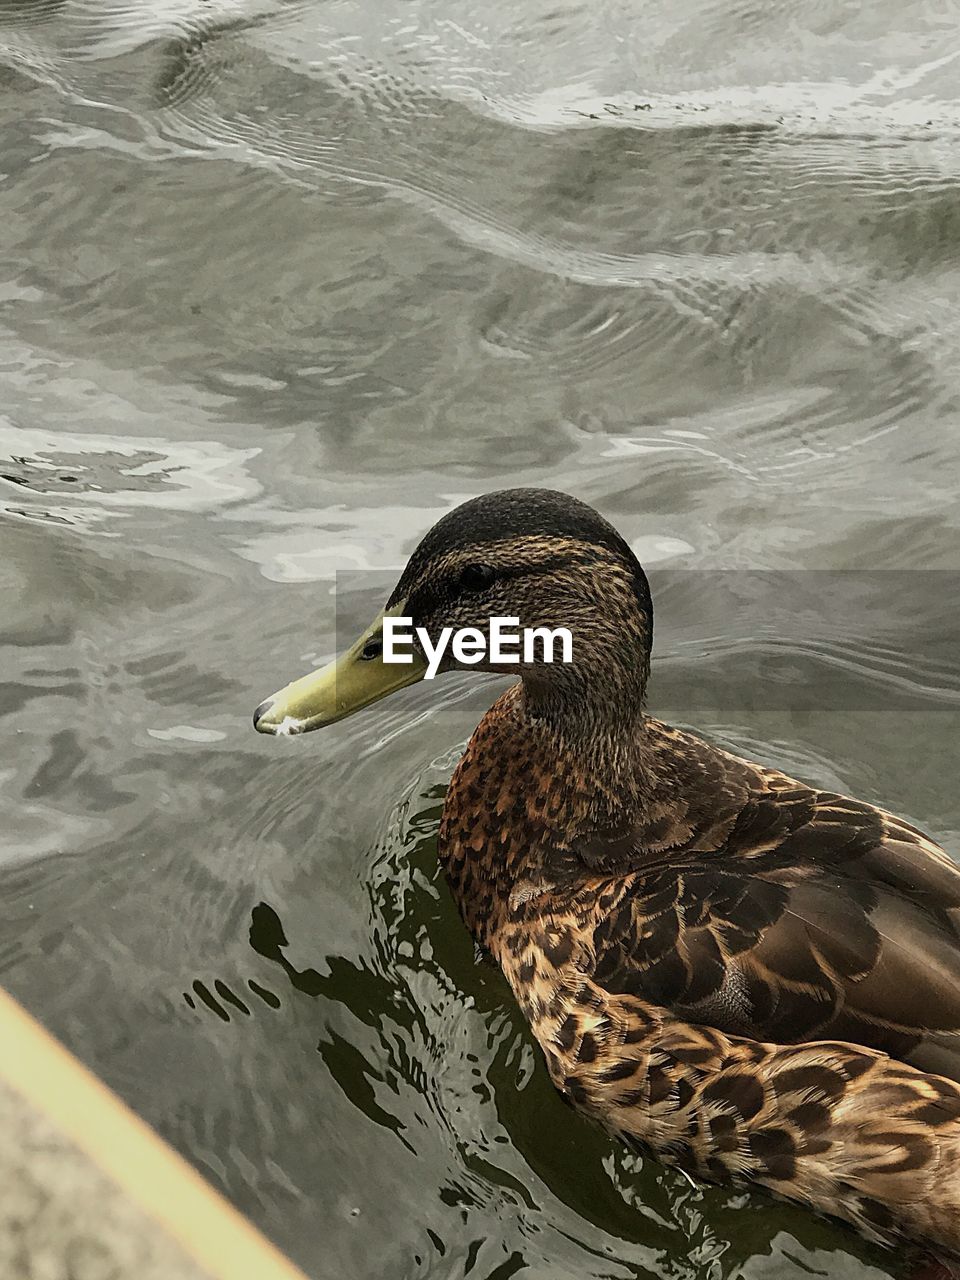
348	684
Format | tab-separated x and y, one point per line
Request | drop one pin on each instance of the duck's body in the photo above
720	983
751	978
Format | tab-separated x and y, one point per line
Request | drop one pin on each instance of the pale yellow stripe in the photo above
151	1173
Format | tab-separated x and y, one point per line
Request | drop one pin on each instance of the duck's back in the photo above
786	914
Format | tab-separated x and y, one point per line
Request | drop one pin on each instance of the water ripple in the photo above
281	282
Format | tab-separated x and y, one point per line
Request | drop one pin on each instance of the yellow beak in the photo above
337	690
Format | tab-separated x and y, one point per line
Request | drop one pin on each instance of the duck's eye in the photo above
372	649
477	577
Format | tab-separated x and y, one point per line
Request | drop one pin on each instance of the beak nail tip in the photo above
261	711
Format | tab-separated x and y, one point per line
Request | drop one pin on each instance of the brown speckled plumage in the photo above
749	977
731	991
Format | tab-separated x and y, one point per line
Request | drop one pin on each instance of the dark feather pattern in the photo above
844	929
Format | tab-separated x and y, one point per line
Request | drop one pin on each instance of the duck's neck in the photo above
598	741
534	780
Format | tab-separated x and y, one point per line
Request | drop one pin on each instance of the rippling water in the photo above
279	283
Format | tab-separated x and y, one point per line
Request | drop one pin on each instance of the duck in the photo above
746	976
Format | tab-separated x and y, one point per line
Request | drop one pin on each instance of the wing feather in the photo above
810	916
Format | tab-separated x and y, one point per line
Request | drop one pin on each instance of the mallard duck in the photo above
747	976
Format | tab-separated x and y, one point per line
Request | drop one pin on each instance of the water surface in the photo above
280	283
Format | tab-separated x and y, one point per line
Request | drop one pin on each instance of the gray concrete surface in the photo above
61	1218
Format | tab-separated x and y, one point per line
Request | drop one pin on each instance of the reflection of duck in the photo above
750	977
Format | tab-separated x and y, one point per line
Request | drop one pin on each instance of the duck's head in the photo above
535	555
